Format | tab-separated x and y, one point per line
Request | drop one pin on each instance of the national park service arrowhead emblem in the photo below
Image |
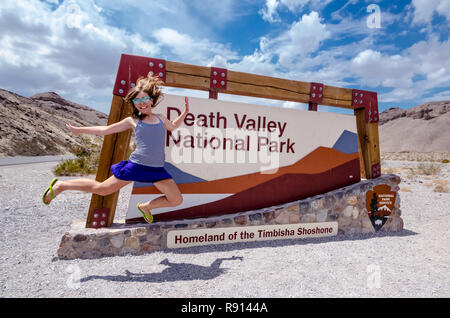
380	203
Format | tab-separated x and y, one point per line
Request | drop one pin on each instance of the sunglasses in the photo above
137	101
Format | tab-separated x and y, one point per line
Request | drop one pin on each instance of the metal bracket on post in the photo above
218	81
213	94
368	101
157	68
131	67
315	95
376	170
312	106
100	218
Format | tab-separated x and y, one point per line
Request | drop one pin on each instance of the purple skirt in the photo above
130	171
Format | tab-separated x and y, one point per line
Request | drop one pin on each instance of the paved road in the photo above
19	160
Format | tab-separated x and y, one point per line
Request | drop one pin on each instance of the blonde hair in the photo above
149	85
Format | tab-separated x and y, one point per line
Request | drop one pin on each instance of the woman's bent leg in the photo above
172	196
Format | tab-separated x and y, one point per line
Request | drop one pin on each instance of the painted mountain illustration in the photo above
323	170
384	208
347	142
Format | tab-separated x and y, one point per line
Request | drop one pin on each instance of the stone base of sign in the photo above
346	206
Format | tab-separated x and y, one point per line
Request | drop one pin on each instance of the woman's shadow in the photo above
175	272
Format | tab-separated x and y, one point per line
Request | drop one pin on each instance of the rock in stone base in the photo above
282	216
394	224
117	241
132	242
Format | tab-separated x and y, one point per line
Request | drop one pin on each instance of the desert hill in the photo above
423	128
36	125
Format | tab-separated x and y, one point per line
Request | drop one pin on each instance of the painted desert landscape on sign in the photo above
321	171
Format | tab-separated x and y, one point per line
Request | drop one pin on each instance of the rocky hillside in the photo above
36	125
424	128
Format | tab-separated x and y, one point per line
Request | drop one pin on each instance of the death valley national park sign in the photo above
231	157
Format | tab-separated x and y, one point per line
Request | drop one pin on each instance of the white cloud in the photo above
377	69
198	51
308	33
288	55
303	37
425	9
295	54
295	105
430	60
445	95
211	13
444	9
294	5
336	15
198	18
269	12
72	49
257	63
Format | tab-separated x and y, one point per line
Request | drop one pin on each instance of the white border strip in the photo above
189	200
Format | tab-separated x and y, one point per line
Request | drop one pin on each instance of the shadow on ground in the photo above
175	272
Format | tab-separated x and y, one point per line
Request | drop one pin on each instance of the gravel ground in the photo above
412	263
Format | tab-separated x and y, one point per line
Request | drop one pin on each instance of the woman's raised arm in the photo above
122	125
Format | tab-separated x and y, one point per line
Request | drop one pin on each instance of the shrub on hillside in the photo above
86	161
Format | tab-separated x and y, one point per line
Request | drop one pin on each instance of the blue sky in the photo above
398	48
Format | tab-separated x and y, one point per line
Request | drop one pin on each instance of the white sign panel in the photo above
229	157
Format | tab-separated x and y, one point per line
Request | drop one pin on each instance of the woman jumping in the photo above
146	163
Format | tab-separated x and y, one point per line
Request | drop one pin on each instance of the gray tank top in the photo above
150	139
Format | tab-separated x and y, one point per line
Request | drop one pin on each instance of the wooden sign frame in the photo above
174	74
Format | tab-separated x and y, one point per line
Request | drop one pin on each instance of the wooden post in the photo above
368	143
114	150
